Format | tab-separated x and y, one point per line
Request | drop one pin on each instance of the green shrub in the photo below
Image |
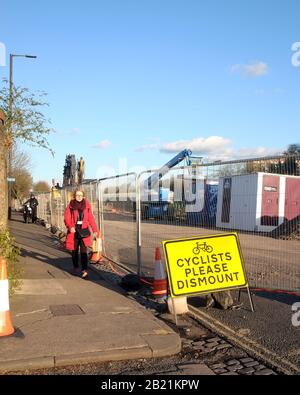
11	253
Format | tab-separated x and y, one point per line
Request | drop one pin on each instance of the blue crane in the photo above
161	208
153	180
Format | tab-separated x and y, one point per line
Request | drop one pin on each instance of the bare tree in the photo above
23	184
21	167
20	159
25	122
41	187
293	149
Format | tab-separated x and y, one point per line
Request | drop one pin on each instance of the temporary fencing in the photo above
258	198
44	207
117	212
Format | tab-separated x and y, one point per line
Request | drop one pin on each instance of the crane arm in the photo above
152	181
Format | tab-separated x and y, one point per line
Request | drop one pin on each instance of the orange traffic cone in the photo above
160	277
97	251
6	327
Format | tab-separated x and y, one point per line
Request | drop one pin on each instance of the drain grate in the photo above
66	309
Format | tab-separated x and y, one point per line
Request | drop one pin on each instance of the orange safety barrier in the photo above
6	327
97	254
160	284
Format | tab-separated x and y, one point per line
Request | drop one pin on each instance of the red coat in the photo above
71	216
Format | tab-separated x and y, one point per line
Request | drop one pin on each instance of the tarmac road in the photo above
268	331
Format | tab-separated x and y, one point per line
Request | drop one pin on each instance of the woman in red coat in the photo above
79	220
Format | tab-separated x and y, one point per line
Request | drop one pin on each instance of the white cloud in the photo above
256	152
217	148
200	145
213	148
104	144
2	54
243	153
256	69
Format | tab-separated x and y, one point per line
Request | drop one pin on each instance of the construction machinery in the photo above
158	202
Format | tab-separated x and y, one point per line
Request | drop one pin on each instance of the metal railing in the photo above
258	198
117	210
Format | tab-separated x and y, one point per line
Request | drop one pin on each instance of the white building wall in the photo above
281	203
258	226
246	202
282	197
243	203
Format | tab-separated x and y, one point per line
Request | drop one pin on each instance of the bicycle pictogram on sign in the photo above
202	247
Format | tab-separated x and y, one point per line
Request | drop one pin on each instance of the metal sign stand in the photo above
174	310
239	299
250	298
173	304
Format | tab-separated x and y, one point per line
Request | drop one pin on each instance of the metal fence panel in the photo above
47	207
57	208
44	207
118	219
92	194
259	199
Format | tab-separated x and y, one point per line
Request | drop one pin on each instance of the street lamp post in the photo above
11	61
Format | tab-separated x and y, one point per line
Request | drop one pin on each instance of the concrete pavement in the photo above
63	320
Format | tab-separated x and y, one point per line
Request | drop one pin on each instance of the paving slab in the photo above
110	327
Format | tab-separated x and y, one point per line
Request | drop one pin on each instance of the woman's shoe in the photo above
84	275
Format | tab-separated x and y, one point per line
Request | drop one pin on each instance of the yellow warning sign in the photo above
204	264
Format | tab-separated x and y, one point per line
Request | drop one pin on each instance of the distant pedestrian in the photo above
33	203
79	221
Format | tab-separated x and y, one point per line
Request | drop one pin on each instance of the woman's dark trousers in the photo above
79	245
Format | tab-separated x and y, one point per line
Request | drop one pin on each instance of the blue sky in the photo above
137	80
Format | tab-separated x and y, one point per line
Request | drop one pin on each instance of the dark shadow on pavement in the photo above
17	220
282	298
65	264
